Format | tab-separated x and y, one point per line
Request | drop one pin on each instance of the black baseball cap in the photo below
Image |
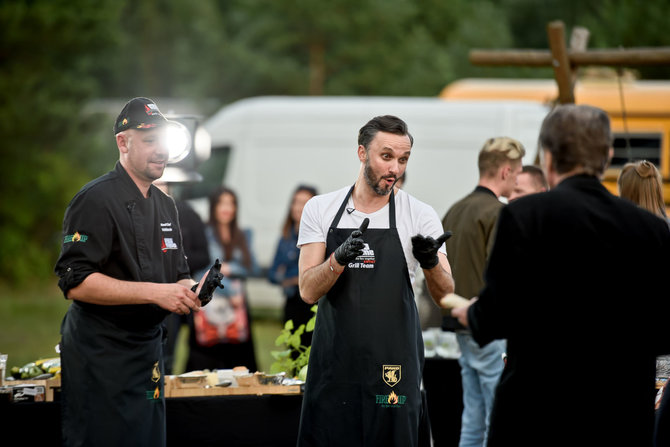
140	114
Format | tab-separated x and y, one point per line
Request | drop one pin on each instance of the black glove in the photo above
212	281
425	249
353	246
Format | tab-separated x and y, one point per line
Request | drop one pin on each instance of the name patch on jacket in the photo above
166	227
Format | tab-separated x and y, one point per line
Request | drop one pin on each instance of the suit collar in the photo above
581	181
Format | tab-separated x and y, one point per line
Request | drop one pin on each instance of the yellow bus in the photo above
639	111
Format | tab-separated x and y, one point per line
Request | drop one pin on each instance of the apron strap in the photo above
392	210
338	216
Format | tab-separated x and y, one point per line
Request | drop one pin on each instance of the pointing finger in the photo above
444	237
364	225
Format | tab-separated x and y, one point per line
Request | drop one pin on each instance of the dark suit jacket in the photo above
575	283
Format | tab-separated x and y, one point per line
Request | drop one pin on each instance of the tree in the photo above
621	23
47	52
56	56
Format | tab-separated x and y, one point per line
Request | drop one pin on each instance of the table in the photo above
252	420
444	393
258	421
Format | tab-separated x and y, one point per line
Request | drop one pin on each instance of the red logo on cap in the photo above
151	109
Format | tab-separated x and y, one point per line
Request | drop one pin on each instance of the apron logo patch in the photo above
364	261
76	237
155	373
390	400
391	374
168	244
155	378
154	394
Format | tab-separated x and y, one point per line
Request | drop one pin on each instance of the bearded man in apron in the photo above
360	247
123	266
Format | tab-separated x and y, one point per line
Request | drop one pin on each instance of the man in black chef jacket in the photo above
360	247
123	266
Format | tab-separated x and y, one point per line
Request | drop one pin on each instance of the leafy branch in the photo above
294	358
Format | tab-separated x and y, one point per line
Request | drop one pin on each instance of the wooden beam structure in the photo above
565	62
543	58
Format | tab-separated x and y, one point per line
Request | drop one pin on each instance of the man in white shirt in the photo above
360	249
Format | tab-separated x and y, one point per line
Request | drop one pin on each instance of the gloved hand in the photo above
353	246
425	249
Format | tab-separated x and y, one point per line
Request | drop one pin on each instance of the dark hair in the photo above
577	136
289	222
386	123
237	238
536	174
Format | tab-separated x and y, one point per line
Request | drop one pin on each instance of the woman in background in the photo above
284	270
220	336
641	183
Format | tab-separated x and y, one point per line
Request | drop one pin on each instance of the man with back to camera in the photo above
360	247
530	180
576	284
473	220
123	266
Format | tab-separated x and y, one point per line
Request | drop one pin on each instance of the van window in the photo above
213	172
642	147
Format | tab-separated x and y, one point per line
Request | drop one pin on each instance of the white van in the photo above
264	147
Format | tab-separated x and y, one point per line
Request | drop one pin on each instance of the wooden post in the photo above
560	62
579	40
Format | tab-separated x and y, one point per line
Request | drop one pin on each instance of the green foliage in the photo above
295	356
626	24
46	55
56	56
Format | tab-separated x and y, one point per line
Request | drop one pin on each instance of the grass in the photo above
30	321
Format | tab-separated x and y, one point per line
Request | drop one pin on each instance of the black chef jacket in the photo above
111	228
112	380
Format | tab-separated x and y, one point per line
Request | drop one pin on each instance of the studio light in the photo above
189	145
178	140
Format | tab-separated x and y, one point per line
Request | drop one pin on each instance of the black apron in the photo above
118	377
366	361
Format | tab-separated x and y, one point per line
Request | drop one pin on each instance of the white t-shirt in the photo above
412	217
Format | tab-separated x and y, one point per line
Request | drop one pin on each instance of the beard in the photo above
374	182
154	173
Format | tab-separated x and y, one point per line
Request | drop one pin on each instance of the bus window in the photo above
642	147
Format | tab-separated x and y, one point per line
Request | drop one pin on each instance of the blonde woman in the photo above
641	183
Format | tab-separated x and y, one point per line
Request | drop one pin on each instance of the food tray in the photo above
50	385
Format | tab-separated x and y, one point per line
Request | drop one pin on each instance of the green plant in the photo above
294	358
